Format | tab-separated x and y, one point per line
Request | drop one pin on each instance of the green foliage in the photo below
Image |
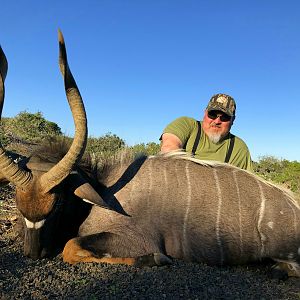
34	128
279	171
4	138
28	127
105	146
147	149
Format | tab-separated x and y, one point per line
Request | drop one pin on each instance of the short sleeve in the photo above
181	127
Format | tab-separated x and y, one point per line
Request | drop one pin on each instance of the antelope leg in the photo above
86	249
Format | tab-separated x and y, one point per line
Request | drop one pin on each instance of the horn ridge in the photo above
8	167
3	72
12	171
63	64
63	168
3	64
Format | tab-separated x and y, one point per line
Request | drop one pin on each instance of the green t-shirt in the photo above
186	129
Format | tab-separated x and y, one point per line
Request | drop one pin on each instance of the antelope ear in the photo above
88	194
82	189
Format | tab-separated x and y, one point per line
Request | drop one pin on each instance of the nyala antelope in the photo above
148	210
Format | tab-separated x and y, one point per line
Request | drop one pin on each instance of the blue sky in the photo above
140	64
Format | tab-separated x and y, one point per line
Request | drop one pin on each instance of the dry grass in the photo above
9	215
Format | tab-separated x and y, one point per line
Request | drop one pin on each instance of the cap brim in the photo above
220	109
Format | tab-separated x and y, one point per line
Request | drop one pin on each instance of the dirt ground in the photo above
23	278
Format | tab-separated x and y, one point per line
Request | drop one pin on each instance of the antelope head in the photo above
40	185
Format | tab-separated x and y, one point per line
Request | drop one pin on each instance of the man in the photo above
210	139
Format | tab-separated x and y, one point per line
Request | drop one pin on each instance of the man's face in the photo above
216	125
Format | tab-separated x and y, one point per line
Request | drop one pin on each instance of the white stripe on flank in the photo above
165	177
219	217
295	217
34	225
240	211
132	189
188	205
165	187
150	182
260	218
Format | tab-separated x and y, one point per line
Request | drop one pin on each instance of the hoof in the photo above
278	273
153	259
282	270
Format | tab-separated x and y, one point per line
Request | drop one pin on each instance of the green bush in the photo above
28	127
34	128
147	149
105	146
4	136
280	171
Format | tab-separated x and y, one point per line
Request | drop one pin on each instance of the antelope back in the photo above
199	211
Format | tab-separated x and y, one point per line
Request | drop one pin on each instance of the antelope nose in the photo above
32	247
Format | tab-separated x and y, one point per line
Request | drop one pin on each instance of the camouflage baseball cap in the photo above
222	102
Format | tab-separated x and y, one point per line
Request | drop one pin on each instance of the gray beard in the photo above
215	137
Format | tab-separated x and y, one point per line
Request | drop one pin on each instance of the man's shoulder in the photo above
182	127
186	119
239	142
183	122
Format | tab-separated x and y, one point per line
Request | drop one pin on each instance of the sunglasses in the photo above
214	114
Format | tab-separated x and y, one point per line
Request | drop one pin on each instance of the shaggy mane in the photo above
100	167
52	150
116	164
